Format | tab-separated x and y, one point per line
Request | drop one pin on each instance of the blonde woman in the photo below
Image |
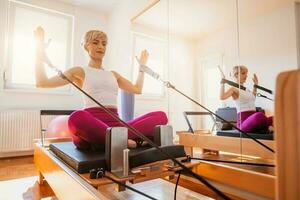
248	119
88	126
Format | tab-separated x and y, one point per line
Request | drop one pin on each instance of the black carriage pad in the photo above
84	161
140	157
236	133
80	160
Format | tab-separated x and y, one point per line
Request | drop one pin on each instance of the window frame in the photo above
8	85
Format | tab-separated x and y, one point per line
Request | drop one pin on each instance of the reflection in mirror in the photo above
267	46
206	40
201	36
267	42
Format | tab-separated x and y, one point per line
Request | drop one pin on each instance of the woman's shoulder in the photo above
76	71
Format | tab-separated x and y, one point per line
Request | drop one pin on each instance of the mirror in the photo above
187	27
205	36
267	46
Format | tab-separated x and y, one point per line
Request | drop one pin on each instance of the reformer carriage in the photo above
60	163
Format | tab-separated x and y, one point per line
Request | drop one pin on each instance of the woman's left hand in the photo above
144	57
255	80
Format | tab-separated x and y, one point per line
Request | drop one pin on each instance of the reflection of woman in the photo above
248	119
88	126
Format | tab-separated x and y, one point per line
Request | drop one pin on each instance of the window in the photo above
157	49
23	20
211	85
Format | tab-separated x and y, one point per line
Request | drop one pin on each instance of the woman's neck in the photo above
97	64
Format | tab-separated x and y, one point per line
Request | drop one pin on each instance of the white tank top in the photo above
245	101
101	85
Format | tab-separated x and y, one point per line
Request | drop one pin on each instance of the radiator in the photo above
18	129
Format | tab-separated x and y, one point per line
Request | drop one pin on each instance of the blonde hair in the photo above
237	69
92	35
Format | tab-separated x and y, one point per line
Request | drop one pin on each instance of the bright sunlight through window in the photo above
23	20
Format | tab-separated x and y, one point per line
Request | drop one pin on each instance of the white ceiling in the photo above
99	5
196	18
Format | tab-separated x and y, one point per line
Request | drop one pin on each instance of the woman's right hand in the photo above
255	79
39	34
41	46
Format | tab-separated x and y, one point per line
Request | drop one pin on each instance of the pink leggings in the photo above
88	126
252	121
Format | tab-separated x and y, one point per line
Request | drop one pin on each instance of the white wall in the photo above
84	21
267	47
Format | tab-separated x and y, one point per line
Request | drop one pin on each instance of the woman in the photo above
248	119
88	126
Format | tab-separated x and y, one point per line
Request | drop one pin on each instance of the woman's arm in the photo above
231	92
75	74
255	82
126	85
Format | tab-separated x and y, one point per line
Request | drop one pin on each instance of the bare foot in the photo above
271	129
131	144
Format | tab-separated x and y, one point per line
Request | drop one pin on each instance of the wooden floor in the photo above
18	180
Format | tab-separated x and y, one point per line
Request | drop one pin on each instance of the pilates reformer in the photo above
118	161
262	184
224	149
115	147
60	159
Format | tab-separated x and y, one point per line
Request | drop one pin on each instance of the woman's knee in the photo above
76	118
77	115
259	116
162	116
260	120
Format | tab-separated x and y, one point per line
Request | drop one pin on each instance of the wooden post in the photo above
287	137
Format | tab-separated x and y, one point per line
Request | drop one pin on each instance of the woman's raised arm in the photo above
75	74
